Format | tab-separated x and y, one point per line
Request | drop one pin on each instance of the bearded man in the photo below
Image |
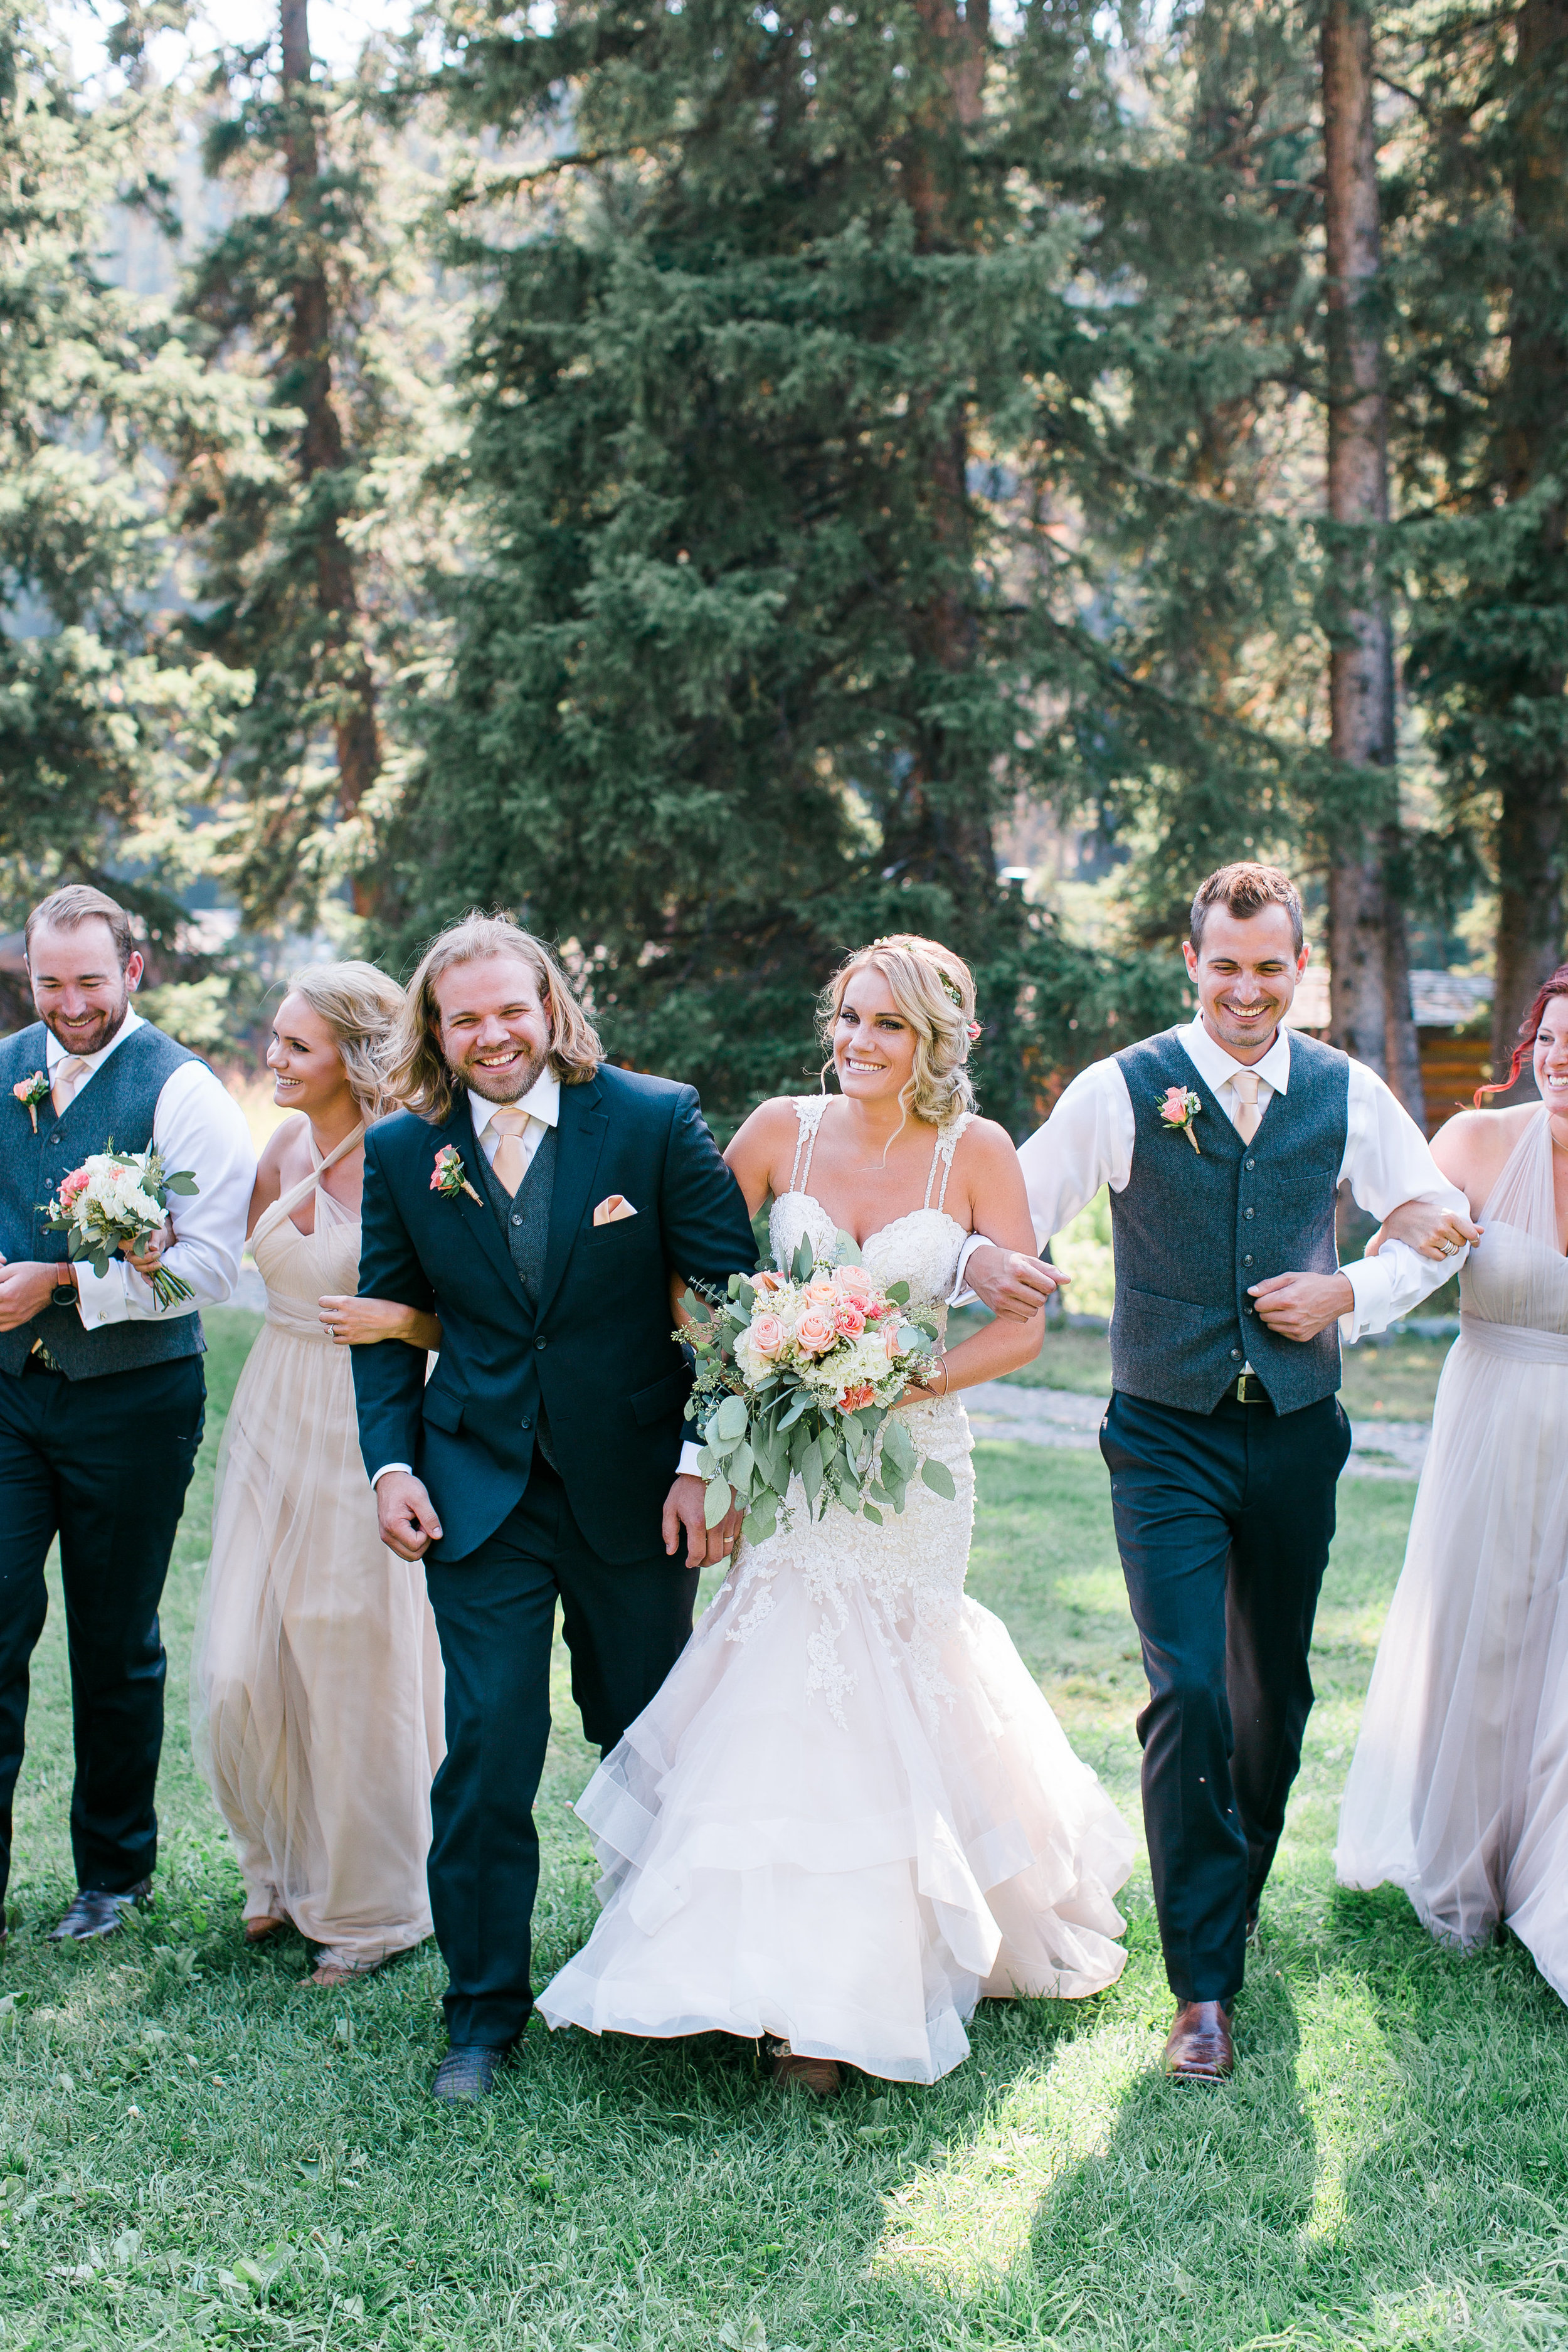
101	1394
539	1201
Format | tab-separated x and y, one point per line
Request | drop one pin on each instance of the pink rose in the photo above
767	1333
890	1340
816	1330
766	1283
855	1283
850	1319
73	1184
822	1289
1173	1109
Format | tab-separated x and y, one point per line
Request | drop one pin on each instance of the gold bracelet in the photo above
941	1368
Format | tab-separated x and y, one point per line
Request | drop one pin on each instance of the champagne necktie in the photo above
510	1162
71	1074
1243	1086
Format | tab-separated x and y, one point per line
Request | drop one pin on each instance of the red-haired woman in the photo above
1458	1791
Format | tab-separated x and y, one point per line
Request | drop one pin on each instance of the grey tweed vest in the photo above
524	1220
1191	1231
115	1107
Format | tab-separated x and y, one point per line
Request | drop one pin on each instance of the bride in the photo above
849	1814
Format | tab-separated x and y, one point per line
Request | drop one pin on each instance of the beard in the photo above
503	1086
87	1037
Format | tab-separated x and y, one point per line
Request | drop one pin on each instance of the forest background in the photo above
726	480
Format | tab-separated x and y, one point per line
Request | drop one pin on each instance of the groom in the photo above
1224	1143
538	1200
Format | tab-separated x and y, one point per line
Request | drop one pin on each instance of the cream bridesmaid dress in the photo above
316	1693
1458	1790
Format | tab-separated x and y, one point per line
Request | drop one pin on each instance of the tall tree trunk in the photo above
355	730
1370	1012
1532	836
939	828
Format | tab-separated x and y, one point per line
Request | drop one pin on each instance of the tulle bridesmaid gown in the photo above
1458	1790
849	1812
316	1694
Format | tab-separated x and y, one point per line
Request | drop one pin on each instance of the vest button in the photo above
1236	1355
1248	1259
1252	1163
1249	1213
517	1221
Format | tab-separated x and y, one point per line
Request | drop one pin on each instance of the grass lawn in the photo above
197	2148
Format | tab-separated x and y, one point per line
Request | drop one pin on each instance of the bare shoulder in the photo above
985	1145
1476	1142
282	1145
763	1131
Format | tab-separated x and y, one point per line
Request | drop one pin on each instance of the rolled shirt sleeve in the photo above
1086	1143
197	1126
1388	1162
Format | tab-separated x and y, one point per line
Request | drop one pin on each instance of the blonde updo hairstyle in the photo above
934	991
361	1006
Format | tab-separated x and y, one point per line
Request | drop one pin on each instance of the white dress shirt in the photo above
1089	1141
197	1124
542	1104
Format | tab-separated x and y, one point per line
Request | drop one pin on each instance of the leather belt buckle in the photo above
1250	1389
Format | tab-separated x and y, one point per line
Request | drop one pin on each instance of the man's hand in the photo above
706	1546
1431	1232
1010	1284
146	1261
25	1290
409	1522
1299	1305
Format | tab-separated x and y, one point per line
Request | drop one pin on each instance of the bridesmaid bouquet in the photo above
117	1199
798	1373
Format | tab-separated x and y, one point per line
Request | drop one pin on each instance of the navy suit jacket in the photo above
598	1351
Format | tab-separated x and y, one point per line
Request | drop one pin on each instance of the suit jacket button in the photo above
539	1343
525	1423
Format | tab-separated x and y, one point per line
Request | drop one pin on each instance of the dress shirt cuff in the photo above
1372	1284
961	1295
385	1471
691	1456
101	1298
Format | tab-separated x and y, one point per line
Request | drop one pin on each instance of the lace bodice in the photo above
921	1248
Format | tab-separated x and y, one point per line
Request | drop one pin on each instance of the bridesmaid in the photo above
316	1691
1458	1791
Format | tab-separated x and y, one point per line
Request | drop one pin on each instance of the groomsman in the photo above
1224	1143
101	1394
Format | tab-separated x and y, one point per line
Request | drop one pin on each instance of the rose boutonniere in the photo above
448	1176
30	1093
1179	1107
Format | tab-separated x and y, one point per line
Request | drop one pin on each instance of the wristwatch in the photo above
63	1295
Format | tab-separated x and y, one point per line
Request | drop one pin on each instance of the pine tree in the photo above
104	731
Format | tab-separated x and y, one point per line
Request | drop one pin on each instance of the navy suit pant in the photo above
1223	1521
103	1464
495	1611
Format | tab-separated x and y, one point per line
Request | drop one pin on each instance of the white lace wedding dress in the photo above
849	1812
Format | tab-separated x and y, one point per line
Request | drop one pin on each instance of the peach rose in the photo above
857	1284
767	1333
851	1319
822	1288
816	1330
890	1340
853	1399
73	1184
766	1283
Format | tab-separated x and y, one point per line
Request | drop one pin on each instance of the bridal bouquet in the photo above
798	1372
115	1199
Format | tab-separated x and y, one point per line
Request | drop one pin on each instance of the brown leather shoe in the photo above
1198	2049
792	2070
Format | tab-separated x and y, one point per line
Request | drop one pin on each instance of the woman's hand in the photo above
145	1261
364	1322
1431	1232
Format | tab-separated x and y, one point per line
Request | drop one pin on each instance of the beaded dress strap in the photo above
808	1110
946	1145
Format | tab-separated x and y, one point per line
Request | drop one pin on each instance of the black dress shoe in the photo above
94	1912
1198	2049
466	2073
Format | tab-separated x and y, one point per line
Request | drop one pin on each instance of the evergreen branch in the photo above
514	181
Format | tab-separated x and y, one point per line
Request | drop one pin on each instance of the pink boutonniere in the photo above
1178	1109
30	1093
448	1177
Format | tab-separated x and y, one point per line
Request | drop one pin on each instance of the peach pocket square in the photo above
612	1208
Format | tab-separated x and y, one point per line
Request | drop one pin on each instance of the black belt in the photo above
1248	1389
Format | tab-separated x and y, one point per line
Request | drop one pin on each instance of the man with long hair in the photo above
539	1201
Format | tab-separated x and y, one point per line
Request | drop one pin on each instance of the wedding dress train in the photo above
849	1812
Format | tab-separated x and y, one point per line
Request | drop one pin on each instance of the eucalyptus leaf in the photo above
184	1183
730	1421
746	1292
742	1462
697	1308
795	1411
811	1471
846	1248
763	1520
803	1263
716	1500
869	1511
939	1478
899	1291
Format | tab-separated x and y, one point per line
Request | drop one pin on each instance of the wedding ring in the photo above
1449	1249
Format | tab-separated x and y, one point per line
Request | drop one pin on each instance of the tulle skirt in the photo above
847	1814
1458	1790
316	1691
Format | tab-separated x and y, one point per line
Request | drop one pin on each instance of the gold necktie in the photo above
510	1162
1245	1086
68	1078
